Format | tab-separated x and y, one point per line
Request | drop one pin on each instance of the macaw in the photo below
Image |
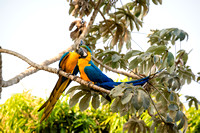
68	63
91	73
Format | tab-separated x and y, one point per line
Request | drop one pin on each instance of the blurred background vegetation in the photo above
19	114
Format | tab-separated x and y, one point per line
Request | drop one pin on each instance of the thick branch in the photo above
54	70
116	71
32	70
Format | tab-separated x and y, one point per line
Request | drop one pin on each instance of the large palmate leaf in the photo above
164	36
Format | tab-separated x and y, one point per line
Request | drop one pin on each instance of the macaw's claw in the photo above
89	82
75	77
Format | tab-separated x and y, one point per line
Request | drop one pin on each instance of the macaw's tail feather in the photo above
55	95
111	85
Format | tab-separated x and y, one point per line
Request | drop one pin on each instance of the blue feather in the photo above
63	56
95	74
111	85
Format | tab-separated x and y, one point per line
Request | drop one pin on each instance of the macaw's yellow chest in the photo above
82	63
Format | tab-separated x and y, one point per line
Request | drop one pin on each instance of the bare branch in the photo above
32	70
54	70
115	70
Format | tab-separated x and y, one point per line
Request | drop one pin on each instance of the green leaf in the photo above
156	58
185	58
137	101
181	124
169	119
170	59
72	89
146	101
115	58
84	103
115	104
179	115
115	65
173	107
73	101
196	105
134	63
132	53
107	59
157	49
190	103
95	101
117	91
171	96
126	97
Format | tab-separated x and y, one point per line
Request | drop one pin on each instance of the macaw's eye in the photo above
82	52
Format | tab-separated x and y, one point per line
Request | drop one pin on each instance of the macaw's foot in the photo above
59	69
75	77
89	82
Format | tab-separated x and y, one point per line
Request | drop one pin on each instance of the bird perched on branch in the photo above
91	73
68	63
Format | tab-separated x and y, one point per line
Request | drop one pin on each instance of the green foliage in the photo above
192	100
160	96
193	120
111	58
164	36
19	114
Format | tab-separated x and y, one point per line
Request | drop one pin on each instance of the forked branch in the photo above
54	70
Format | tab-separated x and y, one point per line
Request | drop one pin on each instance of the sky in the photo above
39	30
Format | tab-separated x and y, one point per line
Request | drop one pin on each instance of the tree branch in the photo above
115	70
32	70
156	108
54	70
86	31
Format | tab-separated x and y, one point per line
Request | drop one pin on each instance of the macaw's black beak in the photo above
82	52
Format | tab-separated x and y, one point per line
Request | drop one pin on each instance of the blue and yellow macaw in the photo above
68	63
91	73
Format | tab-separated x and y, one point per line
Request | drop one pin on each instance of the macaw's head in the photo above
83	51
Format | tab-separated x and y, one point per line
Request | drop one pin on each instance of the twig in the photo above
159	92
54	70
115	70
156	108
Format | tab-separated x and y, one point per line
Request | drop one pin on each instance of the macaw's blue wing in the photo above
63	58
95	74
111	85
